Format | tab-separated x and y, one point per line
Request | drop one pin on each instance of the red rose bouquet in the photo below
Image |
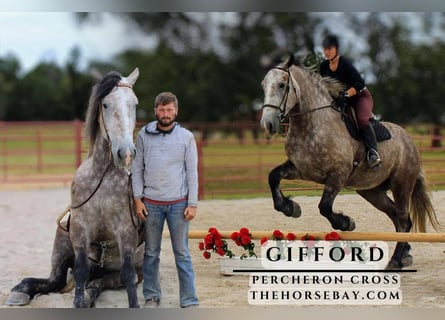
243	238
213	242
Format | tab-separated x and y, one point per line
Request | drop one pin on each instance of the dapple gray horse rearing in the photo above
320	149
101	209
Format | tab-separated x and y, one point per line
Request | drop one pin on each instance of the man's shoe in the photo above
152	303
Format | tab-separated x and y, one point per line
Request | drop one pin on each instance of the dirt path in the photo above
28	225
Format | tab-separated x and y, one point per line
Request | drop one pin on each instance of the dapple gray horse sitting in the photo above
104	245
320	149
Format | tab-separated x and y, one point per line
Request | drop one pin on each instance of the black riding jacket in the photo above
345	73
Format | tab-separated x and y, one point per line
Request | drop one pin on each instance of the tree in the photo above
9	73
40	95
213	65
410	83
78	85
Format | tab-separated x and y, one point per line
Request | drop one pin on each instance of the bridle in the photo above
282	106
282	117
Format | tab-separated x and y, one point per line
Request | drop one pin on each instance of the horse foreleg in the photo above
129	278
81	268
287	170
338	220
62	259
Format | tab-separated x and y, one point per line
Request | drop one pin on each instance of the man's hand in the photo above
140	209
189	213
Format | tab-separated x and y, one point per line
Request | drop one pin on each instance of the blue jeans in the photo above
178	227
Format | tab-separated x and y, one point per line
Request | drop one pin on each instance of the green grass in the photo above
231	170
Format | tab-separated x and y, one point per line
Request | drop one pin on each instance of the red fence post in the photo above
4	154
39	151
201	188
78	142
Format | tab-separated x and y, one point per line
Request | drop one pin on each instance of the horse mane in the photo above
327	84
100	90
311	62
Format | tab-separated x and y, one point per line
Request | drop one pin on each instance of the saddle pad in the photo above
381	132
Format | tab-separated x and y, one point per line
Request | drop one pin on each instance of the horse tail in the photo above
422	207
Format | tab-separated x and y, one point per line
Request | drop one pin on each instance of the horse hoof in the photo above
289	207
296	212
17	299
89	301
393	265
407	260
80	303
351	226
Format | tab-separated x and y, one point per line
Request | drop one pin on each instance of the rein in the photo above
332	105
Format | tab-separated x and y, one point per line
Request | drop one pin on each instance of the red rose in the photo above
238	242
209	246
213	231
245	239
235	235
221	252
217	236
244	231
291	236
206	254
201	246
219	243
332	236
278	235
208	239
263	240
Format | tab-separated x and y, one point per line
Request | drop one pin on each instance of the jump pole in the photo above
357	236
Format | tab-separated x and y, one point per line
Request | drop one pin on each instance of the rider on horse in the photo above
357	95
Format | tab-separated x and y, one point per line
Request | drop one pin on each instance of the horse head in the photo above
281	94
116	115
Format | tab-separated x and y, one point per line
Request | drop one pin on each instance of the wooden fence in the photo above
234	158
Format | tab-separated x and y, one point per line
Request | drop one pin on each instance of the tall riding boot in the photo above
370	141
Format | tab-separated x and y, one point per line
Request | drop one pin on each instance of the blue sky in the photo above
49	36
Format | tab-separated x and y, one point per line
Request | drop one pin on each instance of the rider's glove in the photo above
340	99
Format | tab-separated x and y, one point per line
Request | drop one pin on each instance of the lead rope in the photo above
110	160
71	206
131	200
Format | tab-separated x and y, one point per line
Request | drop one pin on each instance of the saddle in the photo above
349	118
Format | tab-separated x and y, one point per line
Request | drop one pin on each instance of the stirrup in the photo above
373	158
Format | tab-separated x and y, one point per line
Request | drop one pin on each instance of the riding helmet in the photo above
330	41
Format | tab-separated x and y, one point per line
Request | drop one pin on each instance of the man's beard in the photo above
165	121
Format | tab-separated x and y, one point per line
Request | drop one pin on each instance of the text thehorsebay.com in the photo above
324	273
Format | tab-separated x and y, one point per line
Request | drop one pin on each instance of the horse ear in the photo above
96	74
290	60
133	76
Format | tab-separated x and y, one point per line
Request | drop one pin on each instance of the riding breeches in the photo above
363	108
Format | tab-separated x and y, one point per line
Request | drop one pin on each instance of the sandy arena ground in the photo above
28	226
